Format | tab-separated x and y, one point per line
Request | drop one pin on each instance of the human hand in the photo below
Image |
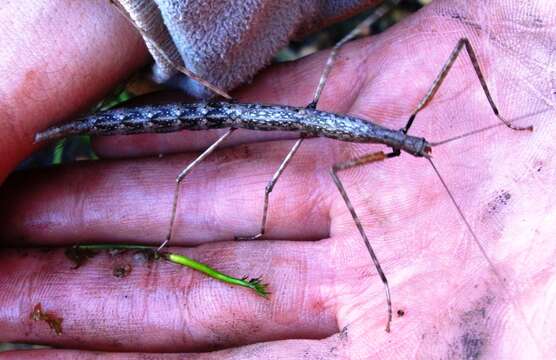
327	290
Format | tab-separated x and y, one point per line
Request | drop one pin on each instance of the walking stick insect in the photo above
309	121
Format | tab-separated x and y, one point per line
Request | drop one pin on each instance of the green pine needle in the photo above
254	284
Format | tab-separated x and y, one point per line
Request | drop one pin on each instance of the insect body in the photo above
217	115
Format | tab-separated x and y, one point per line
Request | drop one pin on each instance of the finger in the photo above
132	200
286	84
159	306
41	86
284	349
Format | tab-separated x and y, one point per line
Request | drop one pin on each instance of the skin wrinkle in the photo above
360	81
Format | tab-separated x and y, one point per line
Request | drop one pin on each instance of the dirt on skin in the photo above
53	321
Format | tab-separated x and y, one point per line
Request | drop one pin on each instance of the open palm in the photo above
449	299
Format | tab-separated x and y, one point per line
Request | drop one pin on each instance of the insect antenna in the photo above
464	219
496	273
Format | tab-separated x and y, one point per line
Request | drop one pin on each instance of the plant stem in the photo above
253	283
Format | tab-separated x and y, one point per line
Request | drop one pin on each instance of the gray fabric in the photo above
227	41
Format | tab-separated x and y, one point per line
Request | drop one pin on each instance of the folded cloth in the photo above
225	42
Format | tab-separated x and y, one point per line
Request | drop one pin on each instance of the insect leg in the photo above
366	159
361	29
428	97
270	187
442	75
179	179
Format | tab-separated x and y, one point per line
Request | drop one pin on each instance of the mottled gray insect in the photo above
308	121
